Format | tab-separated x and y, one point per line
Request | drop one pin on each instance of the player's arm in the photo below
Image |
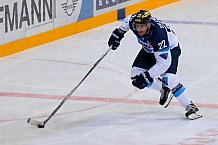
145	78
118	34
163	60
126	24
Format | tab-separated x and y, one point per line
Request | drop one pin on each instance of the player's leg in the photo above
166	95
180	93
143	62
178	90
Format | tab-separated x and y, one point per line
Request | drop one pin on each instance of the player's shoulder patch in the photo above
164	55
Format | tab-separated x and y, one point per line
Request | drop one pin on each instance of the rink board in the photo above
21	29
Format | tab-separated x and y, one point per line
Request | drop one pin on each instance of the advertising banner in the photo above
23	18
67	12
18	16
42	13
1	22
105	6
14	23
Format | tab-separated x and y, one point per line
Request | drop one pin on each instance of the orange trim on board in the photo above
64	31
55	34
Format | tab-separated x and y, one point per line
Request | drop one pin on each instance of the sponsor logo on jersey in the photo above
164	55
146	45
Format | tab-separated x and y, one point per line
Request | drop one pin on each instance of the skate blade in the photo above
194	116
165	105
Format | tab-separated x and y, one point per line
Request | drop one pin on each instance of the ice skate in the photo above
165	97
192	112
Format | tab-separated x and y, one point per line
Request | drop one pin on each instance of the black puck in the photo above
41	126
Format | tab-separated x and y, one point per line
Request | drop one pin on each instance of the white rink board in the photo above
67	12
105	6
36	30
1	23
25	18
14	30
20	16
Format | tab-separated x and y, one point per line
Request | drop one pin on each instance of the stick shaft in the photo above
74	89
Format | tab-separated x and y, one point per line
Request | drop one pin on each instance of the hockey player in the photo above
156	64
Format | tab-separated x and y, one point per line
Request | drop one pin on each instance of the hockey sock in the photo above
181	95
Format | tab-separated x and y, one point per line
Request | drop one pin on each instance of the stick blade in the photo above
33	122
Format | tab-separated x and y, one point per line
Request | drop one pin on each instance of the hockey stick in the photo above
39	124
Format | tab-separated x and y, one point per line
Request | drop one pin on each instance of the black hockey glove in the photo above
142	80
115	39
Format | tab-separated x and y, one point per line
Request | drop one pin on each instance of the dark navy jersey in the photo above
159	41
160	38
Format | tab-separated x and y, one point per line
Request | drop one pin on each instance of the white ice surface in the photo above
106	109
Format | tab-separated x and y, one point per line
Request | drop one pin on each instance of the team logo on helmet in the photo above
142	17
